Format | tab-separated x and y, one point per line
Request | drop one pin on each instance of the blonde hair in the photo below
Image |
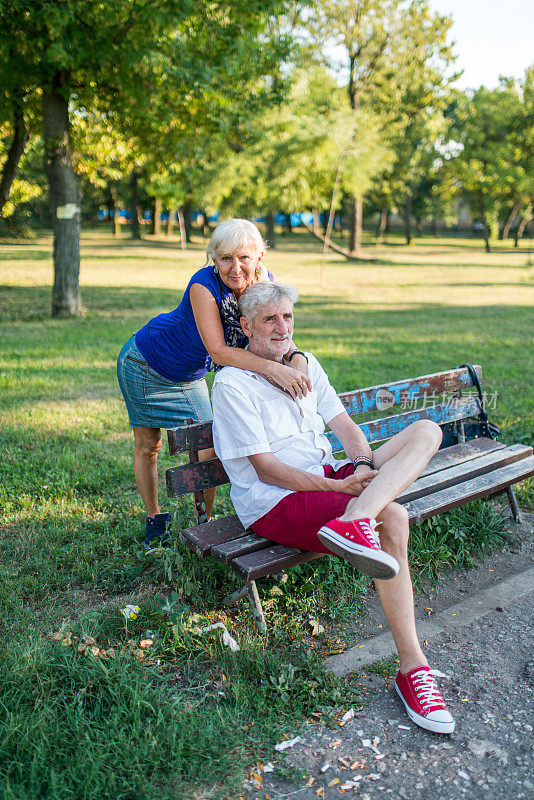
232	234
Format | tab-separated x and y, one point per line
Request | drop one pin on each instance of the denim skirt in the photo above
152	400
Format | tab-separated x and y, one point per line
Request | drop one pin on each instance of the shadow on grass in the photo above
32	303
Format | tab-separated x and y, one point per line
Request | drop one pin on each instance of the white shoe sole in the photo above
429	724
375	563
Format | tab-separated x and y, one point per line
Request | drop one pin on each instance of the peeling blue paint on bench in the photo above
386	427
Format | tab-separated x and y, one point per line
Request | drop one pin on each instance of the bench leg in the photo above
250	591
516	513
235	597
255	603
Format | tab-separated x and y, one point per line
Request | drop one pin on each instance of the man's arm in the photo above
351	436
270	470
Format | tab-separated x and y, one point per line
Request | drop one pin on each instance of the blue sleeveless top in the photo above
171	343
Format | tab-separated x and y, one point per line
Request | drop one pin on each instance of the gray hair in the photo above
263	294
232	234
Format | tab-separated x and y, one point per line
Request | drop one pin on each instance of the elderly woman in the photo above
161	368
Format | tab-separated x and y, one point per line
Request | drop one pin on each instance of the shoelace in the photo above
370	532
426	687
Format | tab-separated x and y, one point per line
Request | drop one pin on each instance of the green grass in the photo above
70	542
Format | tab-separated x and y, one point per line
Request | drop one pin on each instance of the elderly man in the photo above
287	486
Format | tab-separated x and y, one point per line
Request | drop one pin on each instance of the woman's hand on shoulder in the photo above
298	362
293	381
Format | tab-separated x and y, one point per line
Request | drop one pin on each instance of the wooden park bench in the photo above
469	465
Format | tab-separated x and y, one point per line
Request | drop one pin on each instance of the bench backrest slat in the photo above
384	428
207	474
438	387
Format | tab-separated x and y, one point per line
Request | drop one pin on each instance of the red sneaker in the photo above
419	692
358	542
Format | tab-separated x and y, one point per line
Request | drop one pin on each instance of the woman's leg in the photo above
146	449
209	494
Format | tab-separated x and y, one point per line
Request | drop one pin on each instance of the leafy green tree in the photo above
495	160
126	58
391	52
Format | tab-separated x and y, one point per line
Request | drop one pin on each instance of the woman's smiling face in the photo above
237	270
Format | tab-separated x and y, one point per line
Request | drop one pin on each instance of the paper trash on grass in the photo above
287	743
130	612
268	767
227	639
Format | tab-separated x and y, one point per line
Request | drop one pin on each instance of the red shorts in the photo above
297	518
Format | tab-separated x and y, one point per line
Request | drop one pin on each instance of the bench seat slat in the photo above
271	560
459	453
201	538
440	383
462	472
227	551
473	489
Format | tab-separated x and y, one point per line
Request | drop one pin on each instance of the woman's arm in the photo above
208	321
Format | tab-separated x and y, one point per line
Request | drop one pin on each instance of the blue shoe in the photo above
158	530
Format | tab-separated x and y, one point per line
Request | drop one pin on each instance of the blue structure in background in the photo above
104	215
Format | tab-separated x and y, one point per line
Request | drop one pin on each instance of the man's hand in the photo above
355	484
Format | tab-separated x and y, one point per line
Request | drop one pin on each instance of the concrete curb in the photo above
468	611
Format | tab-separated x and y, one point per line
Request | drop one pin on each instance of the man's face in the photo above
271	330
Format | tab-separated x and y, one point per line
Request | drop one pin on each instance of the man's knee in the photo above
395	528
428	431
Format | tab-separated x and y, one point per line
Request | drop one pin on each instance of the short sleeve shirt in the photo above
171	343
251	416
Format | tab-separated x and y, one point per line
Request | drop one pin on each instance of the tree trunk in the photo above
116	219
205	225
289	226
170	221
381	227
358	227
271	236
315	215
408	219
522	225
156	221
508	225
183	234
352	223
16	149
64	201
186	209
134	204
484	222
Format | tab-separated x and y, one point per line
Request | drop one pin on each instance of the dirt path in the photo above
490	692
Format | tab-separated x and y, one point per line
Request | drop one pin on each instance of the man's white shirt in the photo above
251	416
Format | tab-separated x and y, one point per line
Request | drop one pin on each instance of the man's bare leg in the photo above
400	461
396	595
